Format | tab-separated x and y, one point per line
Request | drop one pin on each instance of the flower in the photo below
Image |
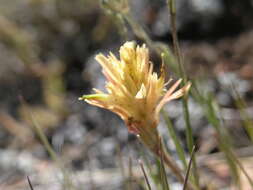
134	91
137	94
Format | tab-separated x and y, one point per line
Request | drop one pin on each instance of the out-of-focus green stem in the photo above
150	138
179	148
20	41
223	138
50	74
177	51
246	120
138	30
124	14
66	178
189	168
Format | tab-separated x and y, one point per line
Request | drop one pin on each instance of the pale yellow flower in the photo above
134	91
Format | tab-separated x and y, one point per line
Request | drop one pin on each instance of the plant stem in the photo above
172	165
177	51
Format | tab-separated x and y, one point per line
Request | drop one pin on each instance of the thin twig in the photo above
145	175
30	183
163	172
189	168
172	165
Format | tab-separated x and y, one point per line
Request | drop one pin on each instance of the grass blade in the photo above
179	148
145	175
242	169
223	136
189	168
163	174
246	120
172	11
30	183
39	132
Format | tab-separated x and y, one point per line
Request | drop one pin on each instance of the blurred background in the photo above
47	50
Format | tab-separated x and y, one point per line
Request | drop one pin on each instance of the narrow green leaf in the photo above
189	168
246	120
93	96
176	141
212	112
163	174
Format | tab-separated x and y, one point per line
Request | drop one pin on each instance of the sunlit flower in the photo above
134	91
137	94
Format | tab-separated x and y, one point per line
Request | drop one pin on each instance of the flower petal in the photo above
141	94
171	96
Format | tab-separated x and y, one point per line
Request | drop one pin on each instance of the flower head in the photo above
134	91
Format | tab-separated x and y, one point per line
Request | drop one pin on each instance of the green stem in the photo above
177	51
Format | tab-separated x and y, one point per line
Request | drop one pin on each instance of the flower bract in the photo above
134	91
